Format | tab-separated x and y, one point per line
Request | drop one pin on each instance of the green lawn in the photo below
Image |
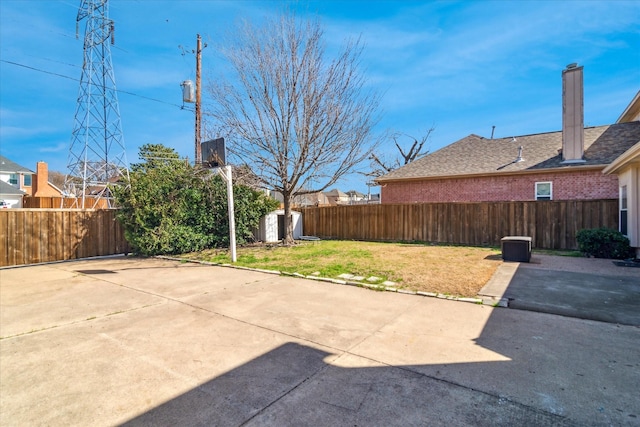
451	270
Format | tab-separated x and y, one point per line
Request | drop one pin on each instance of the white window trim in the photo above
624	209
538	197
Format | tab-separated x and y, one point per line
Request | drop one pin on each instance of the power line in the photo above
182	107
37	69
53	60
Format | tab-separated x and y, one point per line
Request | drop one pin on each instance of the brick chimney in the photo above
41	186
572	114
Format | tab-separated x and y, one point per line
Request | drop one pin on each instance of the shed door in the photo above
281	232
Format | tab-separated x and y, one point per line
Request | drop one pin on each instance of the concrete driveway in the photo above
585	288
126	341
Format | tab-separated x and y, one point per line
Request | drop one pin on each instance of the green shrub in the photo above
171	207
603	243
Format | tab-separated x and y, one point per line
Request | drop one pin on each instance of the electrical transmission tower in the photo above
97	157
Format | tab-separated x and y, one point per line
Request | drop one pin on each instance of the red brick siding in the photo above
566	186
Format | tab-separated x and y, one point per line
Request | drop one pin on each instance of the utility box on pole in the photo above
188	92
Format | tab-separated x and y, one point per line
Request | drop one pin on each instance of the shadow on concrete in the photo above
292	385
513	373
601	297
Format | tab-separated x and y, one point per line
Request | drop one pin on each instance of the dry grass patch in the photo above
451	270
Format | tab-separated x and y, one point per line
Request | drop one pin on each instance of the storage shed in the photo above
271	228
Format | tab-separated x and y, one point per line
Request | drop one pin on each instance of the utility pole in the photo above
198	158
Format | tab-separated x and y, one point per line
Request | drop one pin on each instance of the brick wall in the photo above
587	185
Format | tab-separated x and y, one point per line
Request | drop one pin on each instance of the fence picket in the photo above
551	224
30	236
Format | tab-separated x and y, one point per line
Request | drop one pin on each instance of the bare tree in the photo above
57	178
382	165
297	118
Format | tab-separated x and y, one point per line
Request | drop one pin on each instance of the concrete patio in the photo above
128	341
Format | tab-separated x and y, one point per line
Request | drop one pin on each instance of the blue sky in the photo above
459	66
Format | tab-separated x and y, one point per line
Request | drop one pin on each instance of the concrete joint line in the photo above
486	393
378	329
458	385
286	393
75	322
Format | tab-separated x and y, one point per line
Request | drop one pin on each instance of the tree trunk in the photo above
288	223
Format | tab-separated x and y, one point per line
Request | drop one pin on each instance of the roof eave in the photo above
631	109
626	158
510	173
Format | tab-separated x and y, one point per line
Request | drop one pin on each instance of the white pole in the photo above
232	221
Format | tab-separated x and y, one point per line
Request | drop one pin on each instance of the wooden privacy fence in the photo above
59	202
551	224
29	236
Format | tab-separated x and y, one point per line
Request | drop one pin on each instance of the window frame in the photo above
624	211
14	179
24	180
543	197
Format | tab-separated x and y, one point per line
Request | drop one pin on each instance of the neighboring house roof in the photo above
55	187
335	193
475	155
8	166
6	188
354	193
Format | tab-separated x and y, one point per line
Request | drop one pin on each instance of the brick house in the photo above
17	182
528	167
567	165
564	165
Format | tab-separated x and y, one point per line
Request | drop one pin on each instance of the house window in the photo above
544	191
623	210
13	179
27	180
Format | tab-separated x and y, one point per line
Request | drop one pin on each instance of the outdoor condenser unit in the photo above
516	248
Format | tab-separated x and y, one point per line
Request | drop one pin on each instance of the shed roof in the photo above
475	155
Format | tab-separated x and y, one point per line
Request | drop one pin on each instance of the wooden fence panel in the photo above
31	202
29	236
551	224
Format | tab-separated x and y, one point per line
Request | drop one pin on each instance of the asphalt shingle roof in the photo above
8	189
475	155
7	166
335	193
